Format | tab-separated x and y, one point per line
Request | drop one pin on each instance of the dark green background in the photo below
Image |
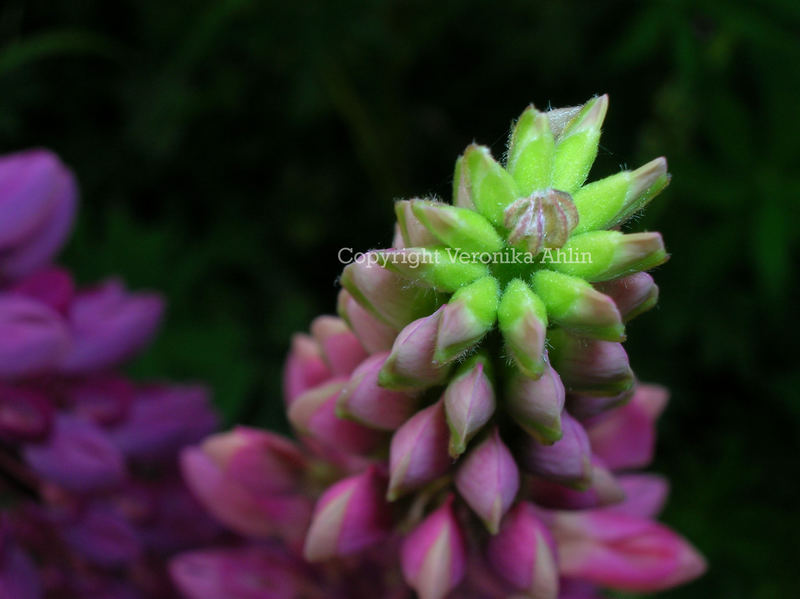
227	149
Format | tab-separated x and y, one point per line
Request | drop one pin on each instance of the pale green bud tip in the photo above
530	155
649	177
577	147
590	117
605	255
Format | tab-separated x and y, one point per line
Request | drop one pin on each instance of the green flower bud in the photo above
522	318
490	187
605	255
613	200
577	147
466	318
457	227
531	152
576	305
443	269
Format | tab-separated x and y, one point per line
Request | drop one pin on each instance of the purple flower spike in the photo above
523	553
109	325
305	368
259	572
624	552
625	438
366	402
469	402
38	199
104	399
18	576
51	286
418	453
104	537
411	364
537	404
162	419
349	517
567	461
433	555
488	480
25	414
340	347
77	456
33	337
314	414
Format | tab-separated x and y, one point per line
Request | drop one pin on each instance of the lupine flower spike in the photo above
471	421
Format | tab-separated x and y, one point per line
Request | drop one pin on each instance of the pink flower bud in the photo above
411	364
364	401
591	366
523	553
469	403
567	461
413	232
645	495
241	496
340	347
624	552
603	489
109	325
349	517
625	438
38	199
488	480
314	414
584	406
418	453
25	414
304	369
385	294
77	456
33	337
373	334
633	294
537	404
433	555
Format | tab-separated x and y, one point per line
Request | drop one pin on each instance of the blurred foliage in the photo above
228	148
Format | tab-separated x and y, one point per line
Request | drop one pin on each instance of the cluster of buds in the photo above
470	420
92	501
